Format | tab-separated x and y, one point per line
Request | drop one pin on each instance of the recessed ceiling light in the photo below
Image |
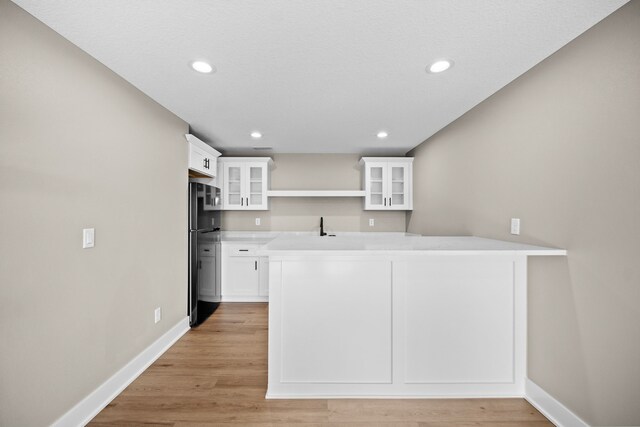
382	134
440	66
256	135
202	67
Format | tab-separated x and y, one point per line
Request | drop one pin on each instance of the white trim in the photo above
551	408
386	159
202	145
90	406
388	397
246	159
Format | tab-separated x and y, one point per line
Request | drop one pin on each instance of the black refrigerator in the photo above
204	252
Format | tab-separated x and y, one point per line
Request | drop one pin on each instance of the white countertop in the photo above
266	236
396	243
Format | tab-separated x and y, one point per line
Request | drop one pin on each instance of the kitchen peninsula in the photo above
397	316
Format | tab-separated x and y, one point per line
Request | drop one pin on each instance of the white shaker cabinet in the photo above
245	182
207	281
245	276
388	183
202	157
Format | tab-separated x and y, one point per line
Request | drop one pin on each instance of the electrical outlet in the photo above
372	222
515	226
213	222
257	221
157	314
88	237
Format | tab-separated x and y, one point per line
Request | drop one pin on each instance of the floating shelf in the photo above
315	193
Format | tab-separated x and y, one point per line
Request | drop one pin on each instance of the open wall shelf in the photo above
316	193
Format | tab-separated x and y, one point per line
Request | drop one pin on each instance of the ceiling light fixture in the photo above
202	67
382	134
256	135
440	66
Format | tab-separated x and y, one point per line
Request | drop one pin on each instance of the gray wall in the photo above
315	172
559	148
80	147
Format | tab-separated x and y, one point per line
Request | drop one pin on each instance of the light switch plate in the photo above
372	222
157	314
515	226
88	237
257	221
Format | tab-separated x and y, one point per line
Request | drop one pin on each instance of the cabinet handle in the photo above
256	265
241	201
243	250
385	201
199	264
389	201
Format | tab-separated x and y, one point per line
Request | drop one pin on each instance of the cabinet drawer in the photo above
207	250
242	250
246	251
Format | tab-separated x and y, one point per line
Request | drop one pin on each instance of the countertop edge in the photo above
413	252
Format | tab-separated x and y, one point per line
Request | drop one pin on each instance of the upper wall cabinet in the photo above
202	157
245	182
388	183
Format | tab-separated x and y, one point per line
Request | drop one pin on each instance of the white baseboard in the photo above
555	411
91	405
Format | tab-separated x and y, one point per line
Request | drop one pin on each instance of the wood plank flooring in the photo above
216	375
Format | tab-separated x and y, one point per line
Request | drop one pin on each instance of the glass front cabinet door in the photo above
256	185
233	183
245	184
375	185
388	183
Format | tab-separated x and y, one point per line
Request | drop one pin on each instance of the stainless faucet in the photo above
322	233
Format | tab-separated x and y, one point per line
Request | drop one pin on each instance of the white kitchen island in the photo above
389	316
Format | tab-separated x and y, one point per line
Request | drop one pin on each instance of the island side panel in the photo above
459	320
336	321
494	369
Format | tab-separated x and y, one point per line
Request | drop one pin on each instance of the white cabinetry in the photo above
202	157
388	183
245	182
263	268
245	276
426	325
209	260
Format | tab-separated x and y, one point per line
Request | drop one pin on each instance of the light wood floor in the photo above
217	375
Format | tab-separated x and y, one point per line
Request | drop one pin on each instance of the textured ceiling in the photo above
319	76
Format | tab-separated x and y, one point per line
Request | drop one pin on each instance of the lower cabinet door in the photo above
242	276
207	272
206	278
263	269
